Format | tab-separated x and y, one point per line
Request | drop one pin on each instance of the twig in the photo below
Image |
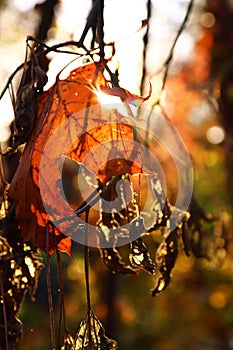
100	28
167	62
4	312
171	53
47	15
62	314
88	294
145	39
50	298
90	20
93	198
48	49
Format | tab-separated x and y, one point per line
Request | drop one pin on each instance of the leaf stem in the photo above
86	268
50	298
4	311
62	314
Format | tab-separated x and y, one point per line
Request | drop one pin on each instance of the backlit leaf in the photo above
166	257
139	255
64	100
91	335
112	259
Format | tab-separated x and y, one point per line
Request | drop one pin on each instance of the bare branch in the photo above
171	53
48	49
145	39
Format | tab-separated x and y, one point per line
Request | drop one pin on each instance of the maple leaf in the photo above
90	127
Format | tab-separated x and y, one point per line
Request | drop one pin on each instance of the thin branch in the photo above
93	198
167	62
49	288
4	311
100	28
62	314
87	280
93	29
90	20
47	14
171	53
48	49
146	39
86	261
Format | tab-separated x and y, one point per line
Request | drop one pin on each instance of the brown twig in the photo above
48	49
171	53
50	298
146	39
4	311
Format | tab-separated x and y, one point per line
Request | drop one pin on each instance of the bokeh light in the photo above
215	134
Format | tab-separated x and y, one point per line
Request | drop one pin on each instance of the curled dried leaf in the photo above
25	114
139	256
186	235
69	343
91	335
112	259
166	257
125	95
20	265
25	104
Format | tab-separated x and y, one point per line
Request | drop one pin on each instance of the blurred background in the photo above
196	311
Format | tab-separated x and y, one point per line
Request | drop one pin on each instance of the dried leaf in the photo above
118	208
65	98
186	235
20	265
62	101
166	257
69	343
139	256
25	107
112	259
125	95
196	224
25	114
91	335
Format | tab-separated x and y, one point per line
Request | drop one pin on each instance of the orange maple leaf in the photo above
90	128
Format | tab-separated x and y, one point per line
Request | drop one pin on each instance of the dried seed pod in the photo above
41	78
26	107
25	114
